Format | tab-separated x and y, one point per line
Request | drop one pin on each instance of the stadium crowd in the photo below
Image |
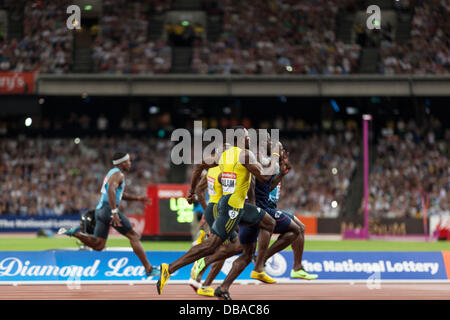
322	167
259	37
46	46
121	43
411	163
48	177
427	51
281	36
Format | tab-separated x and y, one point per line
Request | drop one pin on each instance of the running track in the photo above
304	291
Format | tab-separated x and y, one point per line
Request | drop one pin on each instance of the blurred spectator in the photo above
102	123
183	33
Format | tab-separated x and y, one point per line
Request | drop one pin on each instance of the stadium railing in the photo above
241	85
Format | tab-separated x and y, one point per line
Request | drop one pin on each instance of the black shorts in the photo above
249	230
228	218
252	215
211	213
103	222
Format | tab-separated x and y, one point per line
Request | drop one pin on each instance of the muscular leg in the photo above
95	243
224	252
298	245
136	244
201	250
239	265
283	240
215	269
266	225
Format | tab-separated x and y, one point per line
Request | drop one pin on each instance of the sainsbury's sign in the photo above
16	82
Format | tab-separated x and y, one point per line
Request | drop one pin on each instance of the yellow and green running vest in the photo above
235	177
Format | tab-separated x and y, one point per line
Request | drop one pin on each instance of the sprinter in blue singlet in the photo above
107	213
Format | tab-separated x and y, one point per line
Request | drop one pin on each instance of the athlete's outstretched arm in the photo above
197	173
200	190
285	167
251	191
248	160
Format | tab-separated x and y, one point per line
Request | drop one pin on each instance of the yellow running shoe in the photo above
163	277
201	237
194	267
262	276
209	292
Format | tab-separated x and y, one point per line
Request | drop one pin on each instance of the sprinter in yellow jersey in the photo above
237	165
210	183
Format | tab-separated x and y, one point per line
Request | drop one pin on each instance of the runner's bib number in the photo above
211	190
228	182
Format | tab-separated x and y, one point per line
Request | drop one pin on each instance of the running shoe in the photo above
193	270
200	238
69	232
262	276
154	271
198	267
225	295
302	274
163	277
194	284
207	291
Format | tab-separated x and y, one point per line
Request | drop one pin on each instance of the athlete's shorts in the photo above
103	222
248	234
211	214
228	218
272	204
249	230
282	219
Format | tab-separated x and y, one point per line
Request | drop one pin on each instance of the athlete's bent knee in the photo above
269	222
296	229
133	235
302	228
99	247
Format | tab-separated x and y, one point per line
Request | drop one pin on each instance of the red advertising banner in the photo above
16	82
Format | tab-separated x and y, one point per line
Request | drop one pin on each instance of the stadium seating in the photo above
410	165
63	176
236	37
